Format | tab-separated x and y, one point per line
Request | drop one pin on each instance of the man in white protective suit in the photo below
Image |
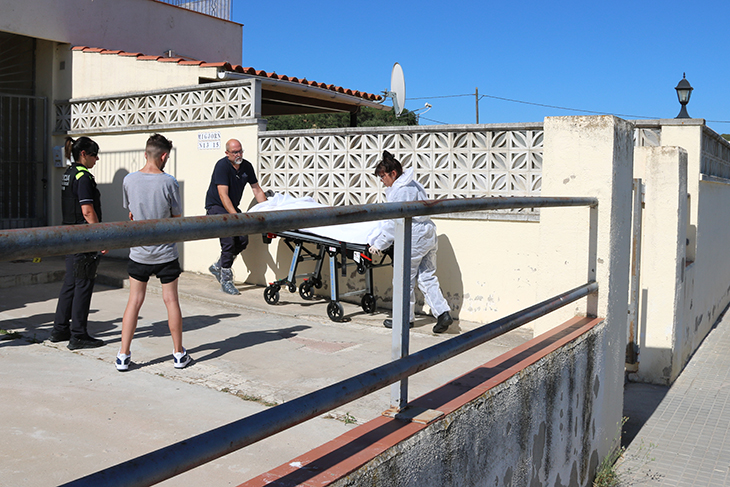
400	186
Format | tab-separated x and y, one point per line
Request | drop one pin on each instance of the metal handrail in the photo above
61	240
185	455
172	460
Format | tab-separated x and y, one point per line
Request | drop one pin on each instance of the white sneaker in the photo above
181	359
123	361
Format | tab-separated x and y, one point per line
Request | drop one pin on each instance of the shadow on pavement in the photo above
640	402
238	342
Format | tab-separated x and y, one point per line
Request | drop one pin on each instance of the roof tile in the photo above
233	68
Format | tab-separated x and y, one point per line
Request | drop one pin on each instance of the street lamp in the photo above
684	91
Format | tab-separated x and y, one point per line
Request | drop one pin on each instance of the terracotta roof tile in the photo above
233	68
225	65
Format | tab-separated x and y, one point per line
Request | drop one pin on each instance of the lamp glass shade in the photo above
684	95
684	91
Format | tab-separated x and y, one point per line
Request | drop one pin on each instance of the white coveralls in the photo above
424	244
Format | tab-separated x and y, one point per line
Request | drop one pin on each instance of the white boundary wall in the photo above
685	274
490	264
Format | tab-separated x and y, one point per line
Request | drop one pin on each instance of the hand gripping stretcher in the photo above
312	247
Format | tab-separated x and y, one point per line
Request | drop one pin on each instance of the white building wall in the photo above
663	171
130	25
107	74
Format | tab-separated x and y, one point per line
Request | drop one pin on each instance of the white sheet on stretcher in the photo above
359	233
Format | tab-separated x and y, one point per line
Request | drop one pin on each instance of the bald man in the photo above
230	176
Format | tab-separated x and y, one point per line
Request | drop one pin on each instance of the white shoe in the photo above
123	361
181	359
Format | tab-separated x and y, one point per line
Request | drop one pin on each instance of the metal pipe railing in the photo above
61	240
185	455
180	457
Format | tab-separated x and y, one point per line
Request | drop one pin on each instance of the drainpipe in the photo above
632	346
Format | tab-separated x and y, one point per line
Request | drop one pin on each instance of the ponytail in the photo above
73	148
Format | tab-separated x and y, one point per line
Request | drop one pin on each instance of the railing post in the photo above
401	306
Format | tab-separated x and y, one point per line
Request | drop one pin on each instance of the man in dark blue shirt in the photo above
230	176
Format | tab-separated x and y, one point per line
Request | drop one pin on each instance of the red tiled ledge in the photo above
352	450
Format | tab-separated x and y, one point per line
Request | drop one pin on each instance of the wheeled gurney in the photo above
311	247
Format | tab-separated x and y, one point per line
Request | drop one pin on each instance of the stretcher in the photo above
307	246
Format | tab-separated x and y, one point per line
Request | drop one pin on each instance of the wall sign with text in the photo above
209	140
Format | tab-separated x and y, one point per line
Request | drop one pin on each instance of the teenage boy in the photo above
149	194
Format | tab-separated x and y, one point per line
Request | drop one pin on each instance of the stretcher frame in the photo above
341	256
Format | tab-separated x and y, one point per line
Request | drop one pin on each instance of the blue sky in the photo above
615	57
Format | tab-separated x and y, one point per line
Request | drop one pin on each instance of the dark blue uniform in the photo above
224	174
72	311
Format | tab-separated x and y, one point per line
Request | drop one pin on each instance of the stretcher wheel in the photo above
317	282
335	311
361	268
292	287
368	303
305	290
271	294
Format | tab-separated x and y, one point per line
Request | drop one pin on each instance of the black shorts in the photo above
166	273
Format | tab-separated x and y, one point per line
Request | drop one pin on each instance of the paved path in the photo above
686	440
67	414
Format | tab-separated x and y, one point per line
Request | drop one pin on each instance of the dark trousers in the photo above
75	297
230	246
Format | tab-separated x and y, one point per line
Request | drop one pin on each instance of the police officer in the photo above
81	205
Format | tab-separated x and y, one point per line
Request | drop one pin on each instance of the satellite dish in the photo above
397	89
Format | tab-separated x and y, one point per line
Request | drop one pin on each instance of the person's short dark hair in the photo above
388	165
157	145
75	147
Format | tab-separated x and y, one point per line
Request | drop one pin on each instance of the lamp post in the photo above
684	91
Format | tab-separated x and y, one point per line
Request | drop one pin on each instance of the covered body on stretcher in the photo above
346	245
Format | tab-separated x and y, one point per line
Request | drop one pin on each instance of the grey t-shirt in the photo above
150	197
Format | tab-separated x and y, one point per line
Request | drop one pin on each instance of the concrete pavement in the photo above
67	414
685	440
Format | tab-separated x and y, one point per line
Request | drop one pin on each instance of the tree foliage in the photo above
367	117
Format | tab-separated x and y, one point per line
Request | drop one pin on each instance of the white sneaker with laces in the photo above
181	359
123	361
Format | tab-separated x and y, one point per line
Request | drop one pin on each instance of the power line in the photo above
543	105
442	96
535	104
432	120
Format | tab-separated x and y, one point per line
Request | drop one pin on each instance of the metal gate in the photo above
23	168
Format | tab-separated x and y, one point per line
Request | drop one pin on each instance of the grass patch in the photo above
9	335
608	476
346	418
249	397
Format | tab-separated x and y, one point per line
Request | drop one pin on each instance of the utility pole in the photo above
476	95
